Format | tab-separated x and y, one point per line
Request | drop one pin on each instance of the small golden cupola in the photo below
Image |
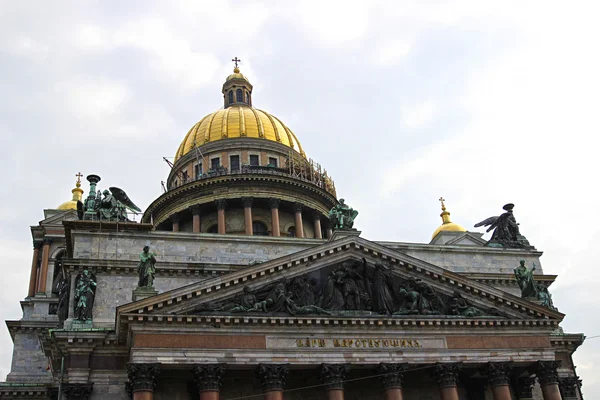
77	193
447	224
237	89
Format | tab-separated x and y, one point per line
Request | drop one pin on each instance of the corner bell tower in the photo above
237	90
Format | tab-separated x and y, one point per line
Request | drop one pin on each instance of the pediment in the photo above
59	217
467	239
348	278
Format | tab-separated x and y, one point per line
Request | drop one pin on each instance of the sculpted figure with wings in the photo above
506	230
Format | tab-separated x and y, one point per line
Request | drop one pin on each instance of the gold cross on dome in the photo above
442	200
78	175
236	61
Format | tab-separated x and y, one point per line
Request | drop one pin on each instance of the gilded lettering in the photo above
377	342
395	343
321	342
386	343
364	342
403	343
337	343
416	343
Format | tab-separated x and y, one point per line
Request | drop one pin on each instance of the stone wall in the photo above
29	362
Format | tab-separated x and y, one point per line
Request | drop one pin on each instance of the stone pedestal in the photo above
342	233
141	293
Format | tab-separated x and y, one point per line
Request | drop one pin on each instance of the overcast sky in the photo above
481	102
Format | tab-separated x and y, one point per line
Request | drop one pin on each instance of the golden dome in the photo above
447	224
77	193
238	120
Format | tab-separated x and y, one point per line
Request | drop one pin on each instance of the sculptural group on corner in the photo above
506	230
530	289
352	288
109	205
342	216
85	292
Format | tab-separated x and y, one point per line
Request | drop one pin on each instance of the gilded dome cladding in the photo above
238	121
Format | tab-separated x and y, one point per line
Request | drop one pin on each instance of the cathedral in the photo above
247	279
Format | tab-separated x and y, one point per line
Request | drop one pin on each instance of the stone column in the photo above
299	227
272	379
34	268
175	218
548	379
41	289
221	205
334	375
446	376
209	379
195	218
569	387
498	378
391	376
247	202
77	391
525	388
142	380
318	232
276	230
329	232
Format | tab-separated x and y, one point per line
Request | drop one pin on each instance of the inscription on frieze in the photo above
384	343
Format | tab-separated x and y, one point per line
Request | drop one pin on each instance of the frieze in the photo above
358	343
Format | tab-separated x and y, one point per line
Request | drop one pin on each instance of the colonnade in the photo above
39	269
273	378
247	203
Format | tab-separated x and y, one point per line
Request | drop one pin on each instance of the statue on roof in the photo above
506	230
342	215
526	281
109	205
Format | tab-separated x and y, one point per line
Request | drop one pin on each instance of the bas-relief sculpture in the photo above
109	205
351	288
530	289
85	291
342	216
506	230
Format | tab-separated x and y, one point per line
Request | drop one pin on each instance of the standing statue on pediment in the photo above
333	297
303	290
146	268
85	291
526	280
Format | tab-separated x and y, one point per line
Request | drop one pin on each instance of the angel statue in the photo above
85	291
506	230
342	215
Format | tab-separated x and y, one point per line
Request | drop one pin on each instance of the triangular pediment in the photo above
58	217
383	282
467	239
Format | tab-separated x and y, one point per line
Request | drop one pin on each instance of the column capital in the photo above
175	217
143	376
525	388
334	375
209	377
37	244
497	374
247	201
272	376
546	372
47	241
568	386
274	203
391	375
446	374
298	207
195	209
78	391
317	216
221	204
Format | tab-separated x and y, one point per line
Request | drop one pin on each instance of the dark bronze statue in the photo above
146	268
85	291
506	230
342	216
112	207
460	306
526	280
417	297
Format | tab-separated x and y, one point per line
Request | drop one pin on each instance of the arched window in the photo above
259	229
239	96
230	96
247	98
213	229
291	231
